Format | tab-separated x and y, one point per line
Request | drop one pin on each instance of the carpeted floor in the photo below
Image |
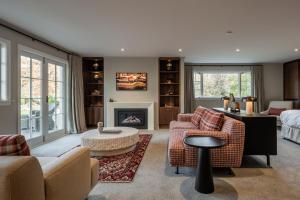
155	180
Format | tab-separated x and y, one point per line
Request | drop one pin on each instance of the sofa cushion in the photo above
211	121
276	111
197	115
13	145
46	160
182	125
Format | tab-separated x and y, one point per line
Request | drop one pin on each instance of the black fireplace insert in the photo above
131	117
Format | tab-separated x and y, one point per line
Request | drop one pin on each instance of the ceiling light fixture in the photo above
122	49
237	50
296	49
180	50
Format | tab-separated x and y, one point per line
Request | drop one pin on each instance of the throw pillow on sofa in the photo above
13	145
276	111
197	115
211	121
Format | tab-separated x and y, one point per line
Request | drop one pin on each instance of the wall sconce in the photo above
249	104
225	100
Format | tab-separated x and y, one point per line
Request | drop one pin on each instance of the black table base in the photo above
204	182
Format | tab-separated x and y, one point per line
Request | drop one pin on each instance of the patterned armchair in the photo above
181	155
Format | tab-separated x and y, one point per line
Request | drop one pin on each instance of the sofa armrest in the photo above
217	134
184	117
21	177
69	176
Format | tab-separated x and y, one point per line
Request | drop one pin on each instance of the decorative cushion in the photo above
182	125
197	115
13	145
211	121
276	111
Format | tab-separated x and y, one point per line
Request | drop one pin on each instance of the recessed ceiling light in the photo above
296	49
180	50
237	50
122	49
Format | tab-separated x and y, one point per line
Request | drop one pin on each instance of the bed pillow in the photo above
276	111
211	121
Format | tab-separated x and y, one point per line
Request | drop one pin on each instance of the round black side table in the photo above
204	181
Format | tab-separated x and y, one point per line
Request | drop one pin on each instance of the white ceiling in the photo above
264	30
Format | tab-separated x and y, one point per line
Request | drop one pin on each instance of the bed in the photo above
291	125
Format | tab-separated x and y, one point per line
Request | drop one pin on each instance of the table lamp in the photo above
249	104
225	100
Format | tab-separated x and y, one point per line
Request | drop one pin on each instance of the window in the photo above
4	71
215	84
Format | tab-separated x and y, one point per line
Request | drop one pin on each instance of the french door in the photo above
42	98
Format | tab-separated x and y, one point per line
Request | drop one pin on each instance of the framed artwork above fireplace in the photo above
131	81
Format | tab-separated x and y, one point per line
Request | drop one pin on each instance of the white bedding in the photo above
291	118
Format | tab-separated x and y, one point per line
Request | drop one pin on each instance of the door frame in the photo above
33	142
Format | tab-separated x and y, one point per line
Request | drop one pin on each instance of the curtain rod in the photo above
36	39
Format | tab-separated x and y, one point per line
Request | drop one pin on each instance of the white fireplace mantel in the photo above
112	105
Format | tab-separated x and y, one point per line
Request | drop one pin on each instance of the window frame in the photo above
7	44
223	71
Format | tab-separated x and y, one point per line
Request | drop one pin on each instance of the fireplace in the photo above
131	117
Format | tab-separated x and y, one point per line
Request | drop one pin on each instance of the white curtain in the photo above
75	96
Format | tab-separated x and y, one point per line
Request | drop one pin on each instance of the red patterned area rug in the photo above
122	168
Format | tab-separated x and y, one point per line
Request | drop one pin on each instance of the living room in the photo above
149	99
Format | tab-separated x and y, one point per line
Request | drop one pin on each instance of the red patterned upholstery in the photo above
233	131
184	117
198	115
182	125
211	121
13	145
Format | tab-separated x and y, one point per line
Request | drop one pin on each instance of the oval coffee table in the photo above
204	181
107	144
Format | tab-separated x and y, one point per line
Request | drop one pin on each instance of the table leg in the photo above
204	181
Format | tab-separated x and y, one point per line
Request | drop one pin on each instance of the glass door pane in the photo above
56	97
31	96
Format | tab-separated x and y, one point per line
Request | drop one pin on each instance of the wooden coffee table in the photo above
204	181
107	144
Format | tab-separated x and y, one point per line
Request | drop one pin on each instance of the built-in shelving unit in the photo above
93	80
169	93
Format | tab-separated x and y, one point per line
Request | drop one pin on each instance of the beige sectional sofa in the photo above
68	177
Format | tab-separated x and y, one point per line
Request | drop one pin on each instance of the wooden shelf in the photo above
169	71
94	104
169	82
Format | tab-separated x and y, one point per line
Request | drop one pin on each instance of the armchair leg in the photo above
177	170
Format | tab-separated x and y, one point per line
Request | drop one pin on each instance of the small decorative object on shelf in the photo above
111	100
96	64
96	93
169	65
249	104
225	100
169	81
100	126
170	91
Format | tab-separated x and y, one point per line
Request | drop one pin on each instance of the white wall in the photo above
121	64
9	113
